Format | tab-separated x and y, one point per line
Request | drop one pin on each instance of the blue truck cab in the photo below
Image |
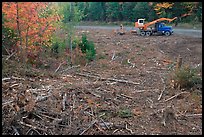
161	28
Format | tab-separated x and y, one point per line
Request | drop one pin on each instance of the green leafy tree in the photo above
127	13
143	10
113	11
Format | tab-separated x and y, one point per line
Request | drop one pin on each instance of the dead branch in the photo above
174	96
105	124
108	79
42	98
10	56
100	129
92	123
129	129
70	68
113	56
15	130
5	79
49	117
74	100
126	96
193	115
8	102
94	94
58	67
18	78
14	85
115	131
163	89
34	127
64	101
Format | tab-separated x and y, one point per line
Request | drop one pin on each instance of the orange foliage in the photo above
164	5
35	24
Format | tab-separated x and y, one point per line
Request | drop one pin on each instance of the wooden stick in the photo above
192	115
8	102
163	89
34	127
10	55
64	101
15	130
14	85
17	78
174	96
105	123
39	99
109	79
100	129
129	129
58	67
113	56
5	79
92	123
70	68
126	96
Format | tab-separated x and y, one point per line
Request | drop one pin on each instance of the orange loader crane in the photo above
159	27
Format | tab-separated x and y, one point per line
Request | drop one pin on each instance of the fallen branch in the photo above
17	78
113	56
109	79
8	102
126	96
92	123
174	96
34	127
10	55
129	129
70	68
163	89
64	101
14	85
101	129
15	130
42	98
192	115
58	67
105	124
5	79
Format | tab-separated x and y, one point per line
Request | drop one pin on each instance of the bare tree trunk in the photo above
19	31
26	46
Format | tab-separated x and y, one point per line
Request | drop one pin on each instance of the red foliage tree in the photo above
34	22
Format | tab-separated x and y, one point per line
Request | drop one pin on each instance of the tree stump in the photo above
178	63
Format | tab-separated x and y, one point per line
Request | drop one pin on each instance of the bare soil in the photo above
116	94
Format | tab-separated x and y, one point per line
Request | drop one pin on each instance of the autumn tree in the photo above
34	23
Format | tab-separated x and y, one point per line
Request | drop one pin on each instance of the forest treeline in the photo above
131	11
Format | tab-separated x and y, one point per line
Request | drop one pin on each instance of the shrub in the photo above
9	40
186	78
88	48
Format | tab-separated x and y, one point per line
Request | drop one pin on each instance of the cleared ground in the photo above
115	94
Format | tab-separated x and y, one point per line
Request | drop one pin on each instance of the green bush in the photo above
186	77
125	113
9	40
88	48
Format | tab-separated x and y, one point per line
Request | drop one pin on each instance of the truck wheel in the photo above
167	33
142	33
148	33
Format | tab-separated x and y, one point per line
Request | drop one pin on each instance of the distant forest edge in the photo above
187	12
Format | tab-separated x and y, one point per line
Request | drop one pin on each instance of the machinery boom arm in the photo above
155	21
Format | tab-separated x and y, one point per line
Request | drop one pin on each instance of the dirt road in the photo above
187	32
